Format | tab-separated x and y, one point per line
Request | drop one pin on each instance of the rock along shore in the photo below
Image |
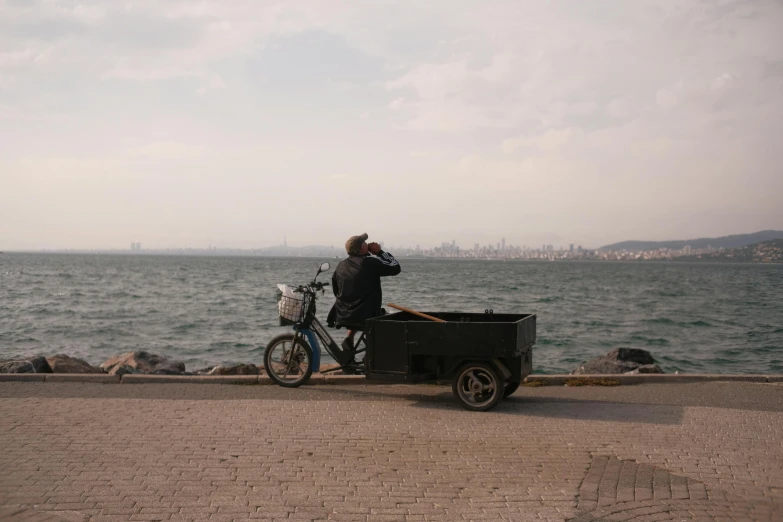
135	362
622	366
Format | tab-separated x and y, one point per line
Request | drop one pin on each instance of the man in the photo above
356	283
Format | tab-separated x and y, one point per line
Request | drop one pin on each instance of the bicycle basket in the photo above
291	306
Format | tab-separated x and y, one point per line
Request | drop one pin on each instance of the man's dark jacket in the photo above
356	283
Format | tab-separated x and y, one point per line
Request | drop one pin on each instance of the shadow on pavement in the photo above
650	404
541	406
573	409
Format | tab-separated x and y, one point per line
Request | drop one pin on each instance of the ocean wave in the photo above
229	344
560	343
773	349
22	340
733	352
671	322
660	320
602	324
651	341
185	327
721	361
663	293
123	293
40	311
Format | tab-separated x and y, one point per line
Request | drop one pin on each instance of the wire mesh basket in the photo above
292	309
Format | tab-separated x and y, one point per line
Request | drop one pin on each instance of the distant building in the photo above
571	249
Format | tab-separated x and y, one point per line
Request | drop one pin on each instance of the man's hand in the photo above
374	248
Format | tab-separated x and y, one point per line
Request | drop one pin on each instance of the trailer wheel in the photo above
511	387
478	386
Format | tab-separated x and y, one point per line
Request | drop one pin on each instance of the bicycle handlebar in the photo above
312	287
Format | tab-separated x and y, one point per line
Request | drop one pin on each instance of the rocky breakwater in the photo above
621	361
142	362
62	363
130	362
237	369
37	364
59	363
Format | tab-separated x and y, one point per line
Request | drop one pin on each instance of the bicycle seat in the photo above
355	327
350	326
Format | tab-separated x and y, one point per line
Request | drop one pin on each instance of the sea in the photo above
693	318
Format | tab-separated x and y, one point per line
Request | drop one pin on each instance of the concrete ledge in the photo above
140	378
316	378
649	378
331	378
347	379
23	377
103	378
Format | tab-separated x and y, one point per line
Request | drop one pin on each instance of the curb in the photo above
140	378
331	378
103	378
651	378
24	377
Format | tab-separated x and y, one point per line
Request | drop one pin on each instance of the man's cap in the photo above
354	244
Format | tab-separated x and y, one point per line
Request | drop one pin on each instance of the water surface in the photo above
707	318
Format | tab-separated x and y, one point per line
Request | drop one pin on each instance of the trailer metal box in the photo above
407	348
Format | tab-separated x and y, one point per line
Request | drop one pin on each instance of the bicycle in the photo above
289	359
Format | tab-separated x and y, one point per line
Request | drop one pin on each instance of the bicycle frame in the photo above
316	332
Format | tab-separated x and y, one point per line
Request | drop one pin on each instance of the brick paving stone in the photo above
206	452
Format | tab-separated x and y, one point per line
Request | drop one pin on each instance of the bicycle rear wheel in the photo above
288	360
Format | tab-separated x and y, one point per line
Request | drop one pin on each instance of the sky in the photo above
235	123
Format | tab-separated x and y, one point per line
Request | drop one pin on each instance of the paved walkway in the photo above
72	452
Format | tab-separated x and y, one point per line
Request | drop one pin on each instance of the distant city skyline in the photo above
498	249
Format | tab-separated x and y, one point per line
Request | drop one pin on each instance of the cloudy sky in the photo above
232	123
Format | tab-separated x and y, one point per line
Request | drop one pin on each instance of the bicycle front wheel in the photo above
288	360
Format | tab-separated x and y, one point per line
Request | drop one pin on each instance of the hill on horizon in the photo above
765	252
734	241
